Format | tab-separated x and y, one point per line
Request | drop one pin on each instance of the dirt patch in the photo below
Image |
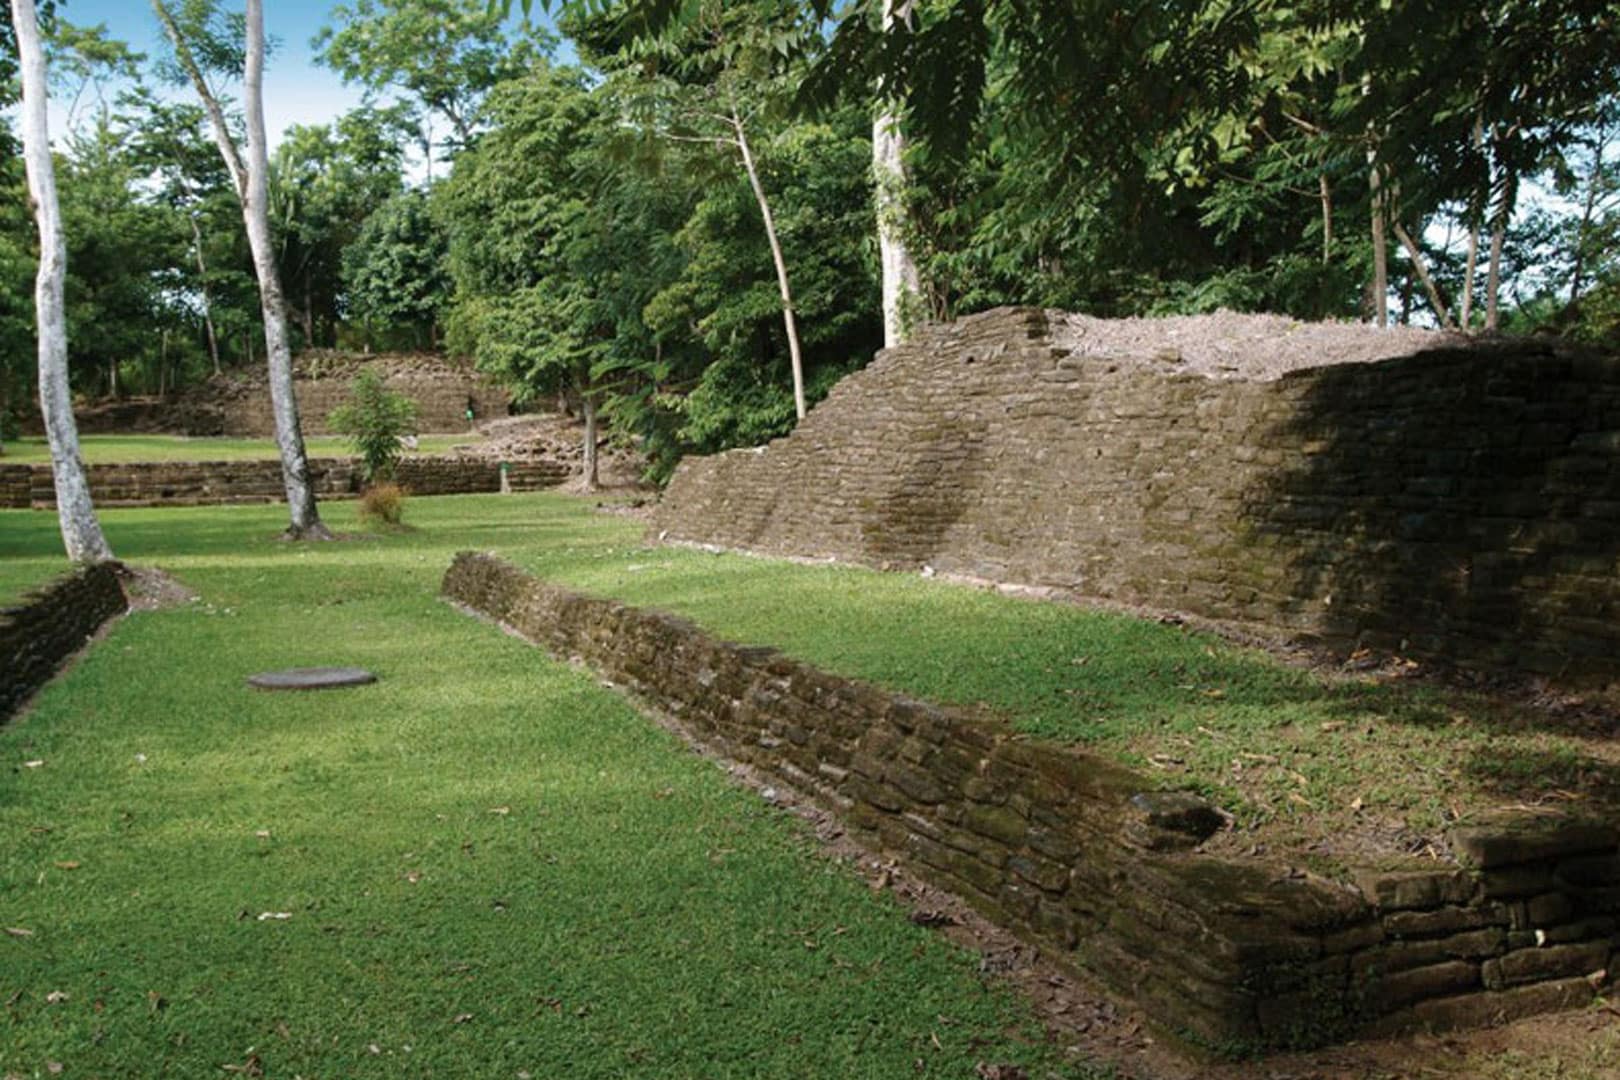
1227	345
151	589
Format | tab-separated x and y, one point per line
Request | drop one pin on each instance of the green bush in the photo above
375	419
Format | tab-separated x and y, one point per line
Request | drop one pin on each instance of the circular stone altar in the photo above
311	678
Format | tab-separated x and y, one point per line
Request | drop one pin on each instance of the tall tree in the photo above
902	285
444	55
325	181
250	174
721	77
81	531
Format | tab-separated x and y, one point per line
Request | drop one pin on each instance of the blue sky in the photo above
296	89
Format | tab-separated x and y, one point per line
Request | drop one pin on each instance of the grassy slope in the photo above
491	865
1309	760
97	449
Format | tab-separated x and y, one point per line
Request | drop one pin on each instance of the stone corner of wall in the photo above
52	622
1089	860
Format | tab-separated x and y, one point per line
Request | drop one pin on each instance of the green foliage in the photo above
326	181
375	418
395	274
444	55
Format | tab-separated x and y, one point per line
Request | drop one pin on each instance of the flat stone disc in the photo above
311	678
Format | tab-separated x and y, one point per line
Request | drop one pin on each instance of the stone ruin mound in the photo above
1431	494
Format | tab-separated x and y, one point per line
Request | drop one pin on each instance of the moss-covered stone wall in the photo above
50	624
1087	859
195	483
1461	503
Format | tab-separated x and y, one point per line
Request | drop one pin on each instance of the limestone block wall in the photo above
49	625
1087	859
1459	503
238	404
442	391
193	483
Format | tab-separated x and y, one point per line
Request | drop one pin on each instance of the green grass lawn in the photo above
486	865
1343	769
97	449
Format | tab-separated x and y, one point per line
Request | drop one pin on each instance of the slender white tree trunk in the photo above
1421	265
306	519
202	289
1471	268
81	532
1380	246
251	175
1325	190
788	317
901	282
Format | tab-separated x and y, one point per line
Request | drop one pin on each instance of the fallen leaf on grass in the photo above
462	1018
262	834
55	997
156	1002
413	876
501	811
18	931
67	864
54	1068
253	1066
1356	804
266	916
36	763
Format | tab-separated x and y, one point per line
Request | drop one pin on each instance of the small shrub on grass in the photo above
382	504
375	419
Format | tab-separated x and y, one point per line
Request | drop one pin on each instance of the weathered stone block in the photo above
1541	965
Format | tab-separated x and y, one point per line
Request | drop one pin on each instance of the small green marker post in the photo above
506	480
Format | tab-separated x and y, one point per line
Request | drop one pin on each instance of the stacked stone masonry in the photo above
1461	503
238	405
1083	857
51	624
190	483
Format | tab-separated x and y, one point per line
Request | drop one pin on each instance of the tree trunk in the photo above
309	315
1588	213
1380	281
1493	276
588	466
202	289
901	282
81	532
781	265
305	516
1475	212
1421	265
1470	270
1327	218
252	187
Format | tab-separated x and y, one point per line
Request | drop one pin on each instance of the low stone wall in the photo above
49	625
1083	857
197	483
1457	499
237	404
